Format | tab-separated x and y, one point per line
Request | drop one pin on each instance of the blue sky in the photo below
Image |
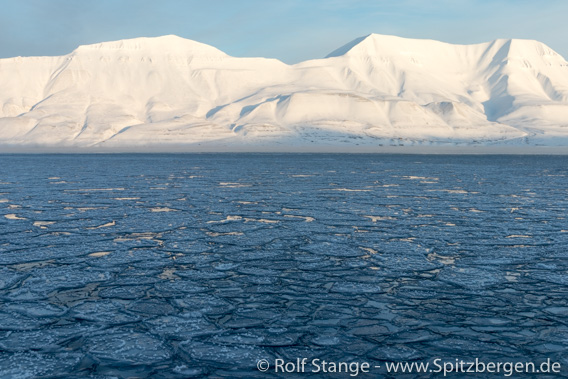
290	30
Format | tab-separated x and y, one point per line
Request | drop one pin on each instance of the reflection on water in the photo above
199	265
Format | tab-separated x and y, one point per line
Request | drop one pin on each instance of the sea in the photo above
282	265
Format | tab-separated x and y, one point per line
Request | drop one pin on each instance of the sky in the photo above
289	30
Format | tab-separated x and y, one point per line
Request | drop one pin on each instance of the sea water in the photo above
205	264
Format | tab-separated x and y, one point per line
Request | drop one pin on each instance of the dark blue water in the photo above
200	265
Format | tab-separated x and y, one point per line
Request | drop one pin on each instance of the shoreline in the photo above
289	149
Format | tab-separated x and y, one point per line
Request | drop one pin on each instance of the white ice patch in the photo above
108	224
163	209
12	216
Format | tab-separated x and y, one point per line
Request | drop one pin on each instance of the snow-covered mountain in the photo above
376	91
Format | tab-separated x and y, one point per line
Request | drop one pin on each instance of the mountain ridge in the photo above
374	91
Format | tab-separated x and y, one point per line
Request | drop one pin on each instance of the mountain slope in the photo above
376	90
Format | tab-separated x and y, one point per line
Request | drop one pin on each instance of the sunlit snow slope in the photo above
375	91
